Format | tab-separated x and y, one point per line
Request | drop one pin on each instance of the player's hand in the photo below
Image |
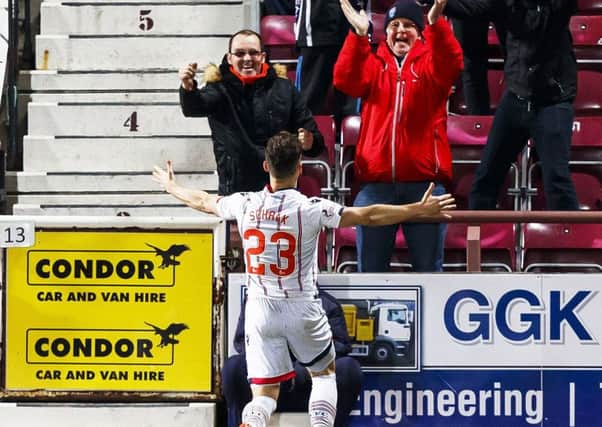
306	138
358	20
436	11
436	205
186	75
165	177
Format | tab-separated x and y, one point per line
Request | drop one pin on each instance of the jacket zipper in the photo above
436	153
399	93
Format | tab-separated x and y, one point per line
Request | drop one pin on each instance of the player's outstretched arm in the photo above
429	206
196	199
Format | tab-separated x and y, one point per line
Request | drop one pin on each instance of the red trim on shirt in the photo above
274	380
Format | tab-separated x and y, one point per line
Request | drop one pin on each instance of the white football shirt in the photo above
280	235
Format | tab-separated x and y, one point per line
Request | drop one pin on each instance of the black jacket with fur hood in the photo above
243	117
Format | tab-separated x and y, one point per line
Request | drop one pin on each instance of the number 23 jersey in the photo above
280	235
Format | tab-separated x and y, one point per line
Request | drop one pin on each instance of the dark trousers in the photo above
472	36
317	64
516	120
294	395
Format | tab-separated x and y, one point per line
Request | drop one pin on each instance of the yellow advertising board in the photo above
91	310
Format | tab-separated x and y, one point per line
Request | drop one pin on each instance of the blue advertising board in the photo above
473	350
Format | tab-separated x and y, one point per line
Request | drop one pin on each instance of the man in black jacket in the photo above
247	101
294	394
541	78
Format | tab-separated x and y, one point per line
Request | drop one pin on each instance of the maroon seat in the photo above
498	247
589	93
328	131
589	6
562	248
496	83
316	179
350	132
585	164
587	40
278	37
291	74
381	6
467	136
378	28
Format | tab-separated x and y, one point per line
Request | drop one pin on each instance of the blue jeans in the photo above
375	244
514	123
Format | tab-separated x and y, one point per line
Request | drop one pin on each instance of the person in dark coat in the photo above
540	71
247	100
320	31
294	394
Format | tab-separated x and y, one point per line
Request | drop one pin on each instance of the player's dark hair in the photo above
245	32
282	153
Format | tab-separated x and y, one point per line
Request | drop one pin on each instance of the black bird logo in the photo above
168	257
168	335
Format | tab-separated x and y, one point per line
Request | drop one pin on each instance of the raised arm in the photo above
197	102
356	65
446	53
196	199
374	215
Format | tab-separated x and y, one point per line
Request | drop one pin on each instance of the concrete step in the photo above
53	80
76	182
96	199
50	154
99	415
239	2
115	210
171	97
109	120
79	53
289	419
140	19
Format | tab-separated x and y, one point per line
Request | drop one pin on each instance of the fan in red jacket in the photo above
403	145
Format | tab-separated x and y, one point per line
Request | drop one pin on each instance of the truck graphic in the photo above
382	332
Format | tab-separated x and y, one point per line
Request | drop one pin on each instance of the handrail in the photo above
499	216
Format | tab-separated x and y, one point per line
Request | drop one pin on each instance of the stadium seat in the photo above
585	164
498	248
316	179
562	248
378	28
495	78
279	38
587	40
380	6
589	6
328	130
589	93
467	136
350	132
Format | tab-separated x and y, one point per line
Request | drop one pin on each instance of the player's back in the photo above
280	231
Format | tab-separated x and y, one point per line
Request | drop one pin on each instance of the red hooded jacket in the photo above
403	136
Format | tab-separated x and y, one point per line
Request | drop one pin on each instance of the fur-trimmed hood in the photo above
212	73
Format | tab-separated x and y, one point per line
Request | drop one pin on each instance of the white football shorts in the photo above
275	326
